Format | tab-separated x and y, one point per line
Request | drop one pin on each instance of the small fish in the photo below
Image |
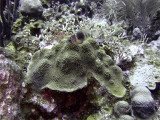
77	38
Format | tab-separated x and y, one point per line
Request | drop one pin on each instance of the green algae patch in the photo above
65	68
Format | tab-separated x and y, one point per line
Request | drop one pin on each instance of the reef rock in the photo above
121	108
65	68
143	105
31	7
10	89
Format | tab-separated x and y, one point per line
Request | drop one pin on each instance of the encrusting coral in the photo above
66	66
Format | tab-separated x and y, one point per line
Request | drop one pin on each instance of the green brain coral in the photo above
66	65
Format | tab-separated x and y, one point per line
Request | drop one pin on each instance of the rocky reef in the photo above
80	59
68	74
10	89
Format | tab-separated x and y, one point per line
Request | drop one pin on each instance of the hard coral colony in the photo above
65	67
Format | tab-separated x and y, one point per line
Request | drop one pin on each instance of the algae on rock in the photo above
65	68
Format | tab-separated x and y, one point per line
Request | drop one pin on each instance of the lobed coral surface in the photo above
66	66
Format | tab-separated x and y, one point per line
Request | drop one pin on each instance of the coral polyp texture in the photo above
66	66
10	89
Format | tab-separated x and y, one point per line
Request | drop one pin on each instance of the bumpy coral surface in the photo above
121	108
143	104
10	89
65	67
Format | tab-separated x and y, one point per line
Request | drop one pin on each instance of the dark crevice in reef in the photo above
39	111
75	104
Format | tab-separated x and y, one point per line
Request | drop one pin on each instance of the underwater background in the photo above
79	59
